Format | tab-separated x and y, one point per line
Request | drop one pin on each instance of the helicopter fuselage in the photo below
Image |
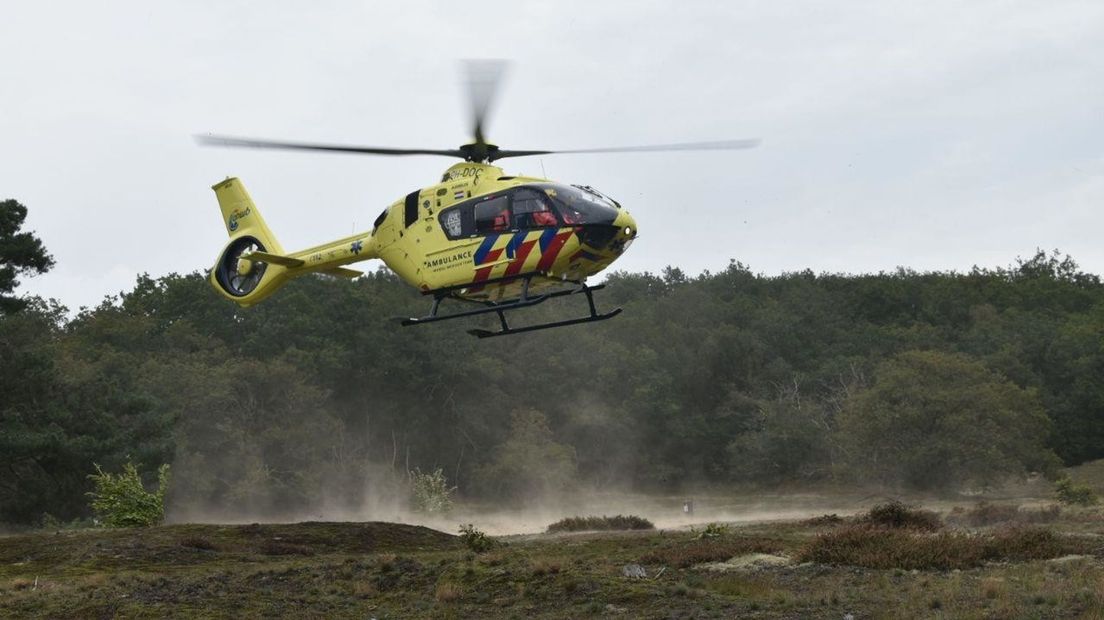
478	230
478	234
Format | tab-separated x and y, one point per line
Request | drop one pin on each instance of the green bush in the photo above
120	500
430	492
476	540
1076	494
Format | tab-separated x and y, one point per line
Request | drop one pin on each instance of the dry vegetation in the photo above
700	551
979	561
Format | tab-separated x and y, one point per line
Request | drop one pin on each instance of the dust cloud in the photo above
665	511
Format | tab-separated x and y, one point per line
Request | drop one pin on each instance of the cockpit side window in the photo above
531	209
492	215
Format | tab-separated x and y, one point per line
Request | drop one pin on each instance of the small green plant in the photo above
1075	494
50	522
713	530
475	540
120	500
430	492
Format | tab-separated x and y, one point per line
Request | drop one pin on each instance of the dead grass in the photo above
598	524
365	589
545	566
448	592
710	550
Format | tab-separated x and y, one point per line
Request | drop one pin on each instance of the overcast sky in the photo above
933	135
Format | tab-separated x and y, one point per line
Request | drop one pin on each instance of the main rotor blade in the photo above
483	78
717	145
311	146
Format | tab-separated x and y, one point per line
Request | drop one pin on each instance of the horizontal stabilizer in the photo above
275	259
342	272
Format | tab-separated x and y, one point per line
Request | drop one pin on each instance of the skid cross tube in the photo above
493	307
500	309
594	316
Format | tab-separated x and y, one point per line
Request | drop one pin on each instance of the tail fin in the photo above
237	277
241	216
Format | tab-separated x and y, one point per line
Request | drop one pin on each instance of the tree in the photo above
530	463
934	420
21	253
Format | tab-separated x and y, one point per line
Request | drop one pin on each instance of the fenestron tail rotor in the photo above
483	78
237	274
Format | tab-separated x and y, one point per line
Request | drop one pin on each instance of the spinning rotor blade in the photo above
718	145
484	76
311	146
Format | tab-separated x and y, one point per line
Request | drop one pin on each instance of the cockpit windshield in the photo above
580	206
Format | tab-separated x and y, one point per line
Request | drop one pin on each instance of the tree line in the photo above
924	380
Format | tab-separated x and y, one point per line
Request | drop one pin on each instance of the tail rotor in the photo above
235	273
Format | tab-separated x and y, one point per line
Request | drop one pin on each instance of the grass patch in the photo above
276	547
198	542
882	547
364	570
710	550
601	524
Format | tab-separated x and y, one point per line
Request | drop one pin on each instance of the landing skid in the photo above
524	301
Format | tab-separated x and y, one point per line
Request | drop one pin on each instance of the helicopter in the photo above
494	241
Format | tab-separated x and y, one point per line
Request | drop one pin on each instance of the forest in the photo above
930	381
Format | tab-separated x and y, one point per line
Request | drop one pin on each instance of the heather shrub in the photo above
881	547
603	523
894	514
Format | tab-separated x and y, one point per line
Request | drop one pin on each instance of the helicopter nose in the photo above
626	224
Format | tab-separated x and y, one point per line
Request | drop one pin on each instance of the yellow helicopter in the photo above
497	241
